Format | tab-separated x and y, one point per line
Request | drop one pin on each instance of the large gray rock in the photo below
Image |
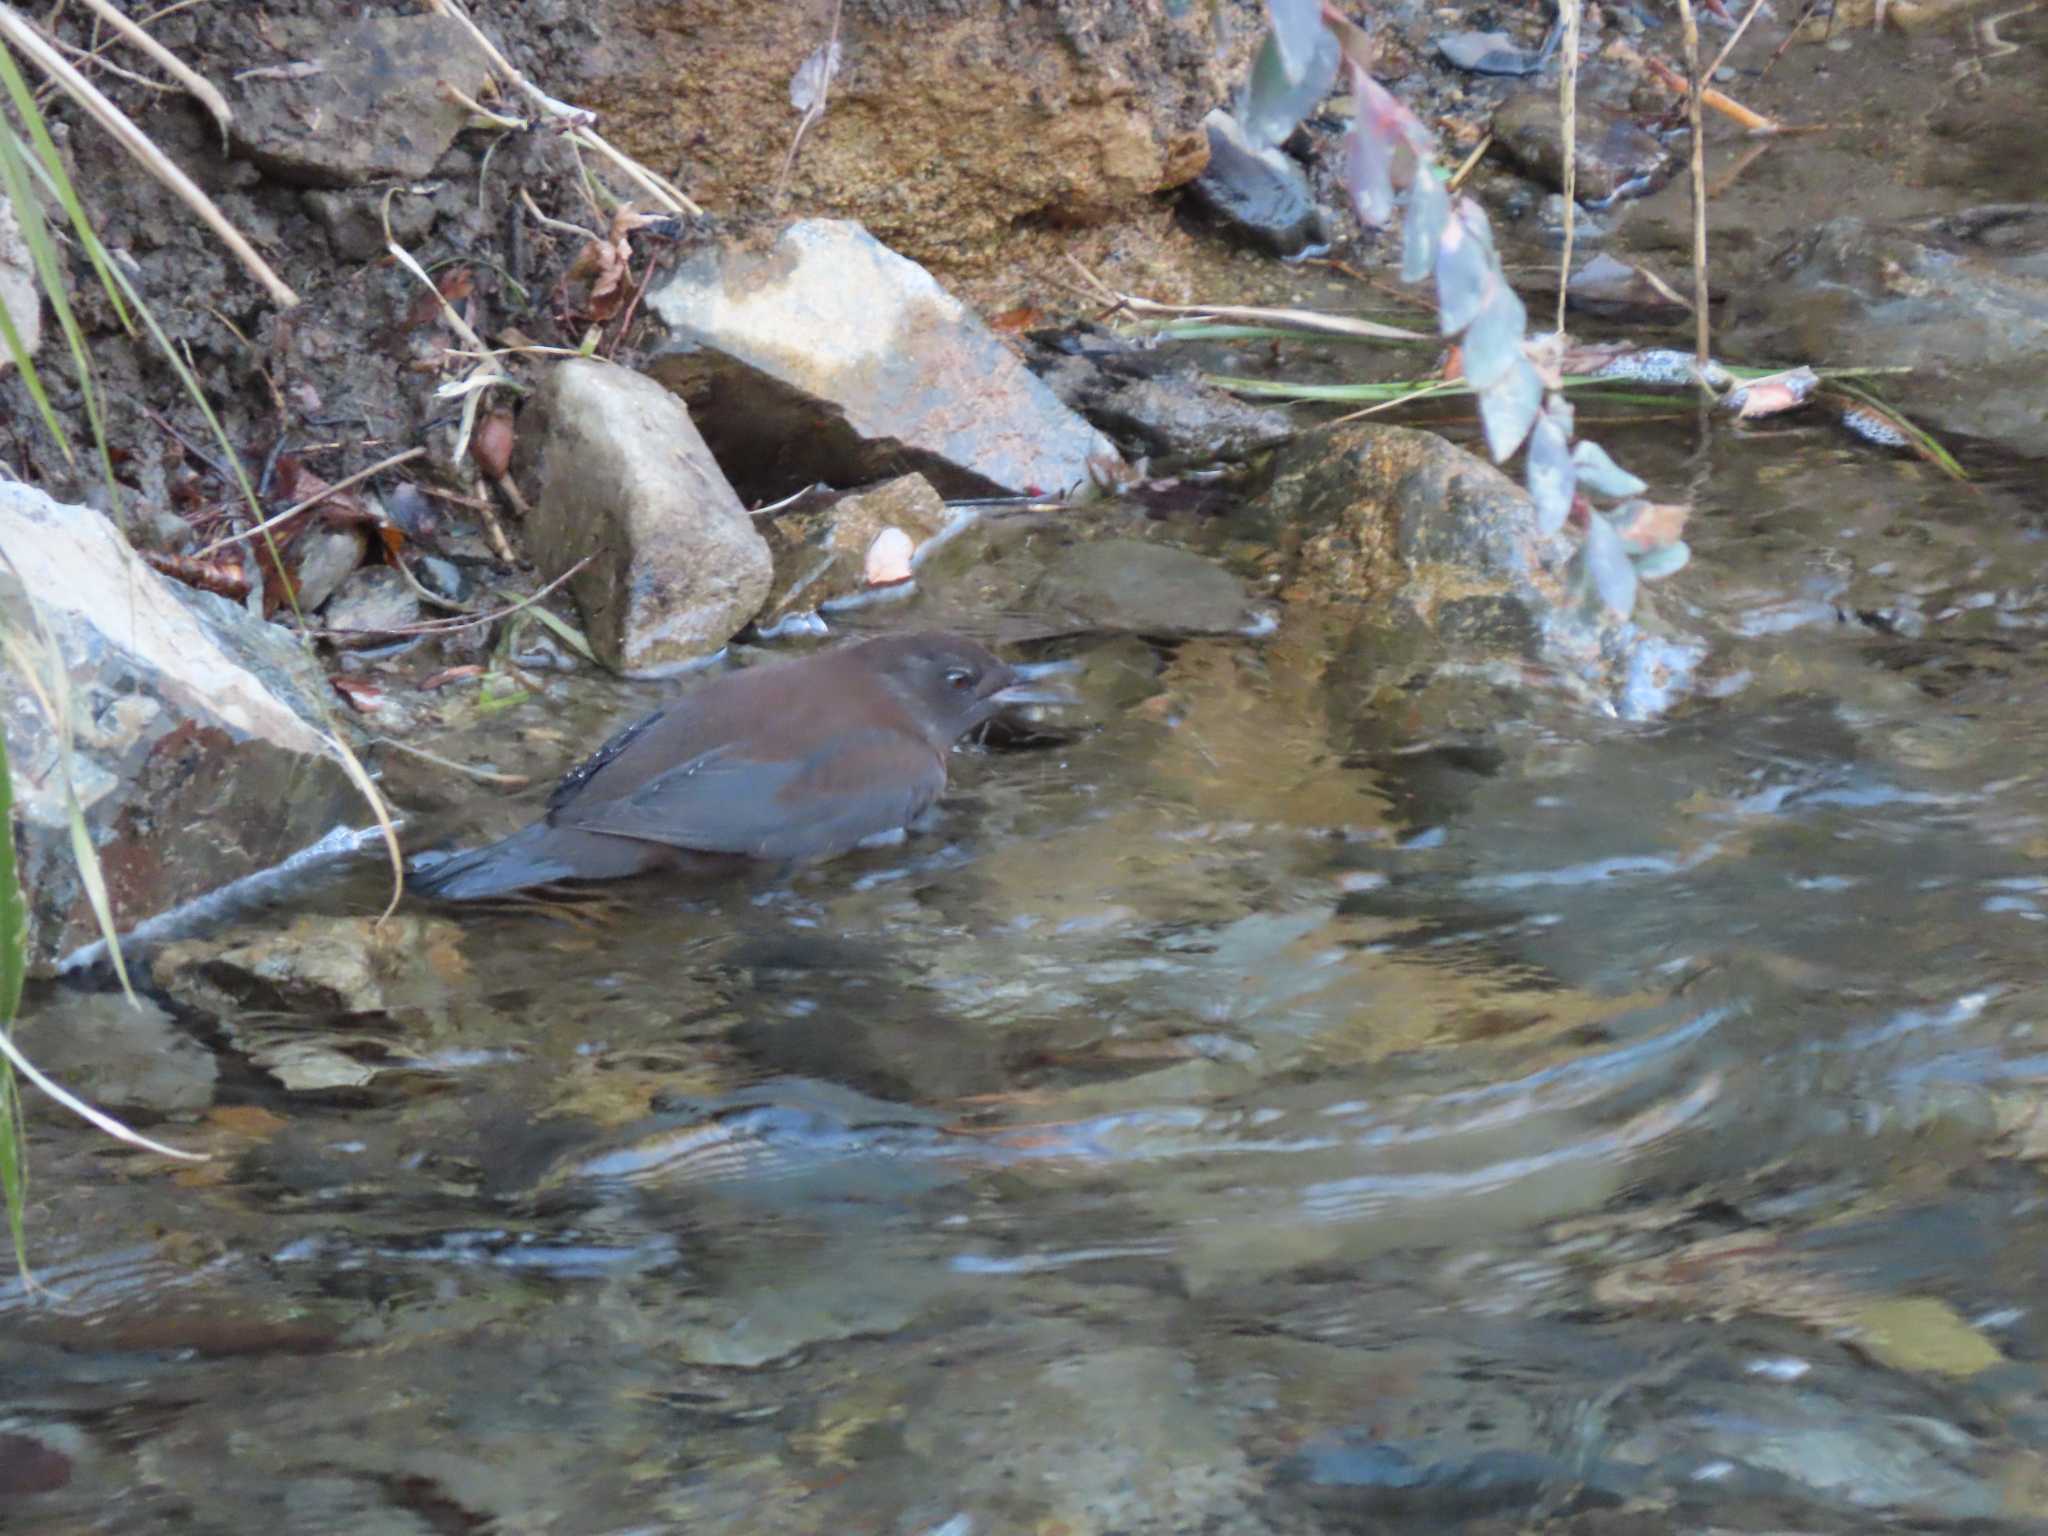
194	752
1440	553
117	1054
617	471
371	110
1961	299
830	357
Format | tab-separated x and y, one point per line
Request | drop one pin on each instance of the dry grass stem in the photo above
1702	321
579	121
1568	116
197	84
33	46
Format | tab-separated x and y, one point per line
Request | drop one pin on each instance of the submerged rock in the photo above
617	472
831	358
1615	158
1961	299
318	965
1130	586
1443	550
117	1054
369	109
1259	197
195	755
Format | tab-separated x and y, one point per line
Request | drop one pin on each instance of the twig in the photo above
1713	69
489	776
451	626
14	29
559	226
1568	116
1465	166
578	120
1306	319
312	501
201	87
1702	321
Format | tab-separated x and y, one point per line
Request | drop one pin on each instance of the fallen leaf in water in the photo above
251	1120
1768	396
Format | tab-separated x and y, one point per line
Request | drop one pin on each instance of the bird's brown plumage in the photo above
797	760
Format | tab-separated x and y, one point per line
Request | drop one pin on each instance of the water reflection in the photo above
1300	1103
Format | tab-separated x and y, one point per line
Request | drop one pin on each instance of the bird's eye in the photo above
959	677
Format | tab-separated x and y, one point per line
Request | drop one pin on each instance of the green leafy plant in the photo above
1388	168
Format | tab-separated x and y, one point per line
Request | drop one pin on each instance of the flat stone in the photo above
821	557
615	470
1614	156
831	358
195	756
370	110
1130	586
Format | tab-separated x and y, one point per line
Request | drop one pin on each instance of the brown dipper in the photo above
798	760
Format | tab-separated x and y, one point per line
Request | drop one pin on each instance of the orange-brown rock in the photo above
948	127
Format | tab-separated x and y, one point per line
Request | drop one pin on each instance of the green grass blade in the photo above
46	151
32	381
35	235
13	970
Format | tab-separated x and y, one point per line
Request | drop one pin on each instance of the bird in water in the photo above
794	761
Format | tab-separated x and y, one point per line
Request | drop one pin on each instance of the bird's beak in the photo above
1027	684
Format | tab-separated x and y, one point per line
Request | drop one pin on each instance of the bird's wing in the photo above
863	784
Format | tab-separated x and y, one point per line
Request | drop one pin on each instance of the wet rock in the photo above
1587	229
194	752
117	1054
1153	404
957	132
1129	586
826	555
1615	157
615	469
831	358
372	605
1962	300
1443	549
318	965
1258	197
323	557
19	294
1613	290
369	108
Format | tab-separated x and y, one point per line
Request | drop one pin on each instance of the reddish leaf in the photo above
361	692
491	445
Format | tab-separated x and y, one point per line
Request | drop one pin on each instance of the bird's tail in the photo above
537	855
